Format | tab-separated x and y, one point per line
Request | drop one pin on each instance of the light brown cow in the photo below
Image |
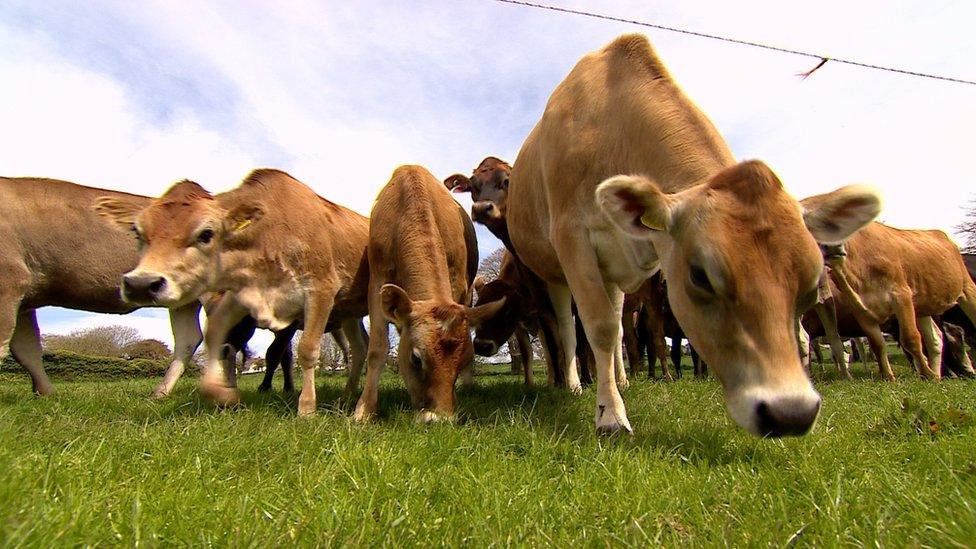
739	254
55	251
423	255
281	252
909	275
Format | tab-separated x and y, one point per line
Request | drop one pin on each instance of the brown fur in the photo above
420	273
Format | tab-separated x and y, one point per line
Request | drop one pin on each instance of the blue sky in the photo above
136	95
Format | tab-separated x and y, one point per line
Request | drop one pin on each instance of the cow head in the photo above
496	329
181	235
488	186
741	261
435	343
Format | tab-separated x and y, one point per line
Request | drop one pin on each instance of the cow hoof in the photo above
426	417
264	388
44	390
220	395
623	384
361	415
613	428
576	389
306	408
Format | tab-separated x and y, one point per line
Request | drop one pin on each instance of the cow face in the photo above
435	344
741	261
180	238
488	186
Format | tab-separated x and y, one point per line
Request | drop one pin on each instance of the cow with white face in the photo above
739	254
280	253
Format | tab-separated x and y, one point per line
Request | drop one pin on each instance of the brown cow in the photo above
55	251
488	186
739	254
908	275
423	255
647	304
281	252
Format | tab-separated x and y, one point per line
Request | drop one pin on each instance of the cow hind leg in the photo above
25	345
911	339
877	343
618	355
932	339
562	302
631	342
356	342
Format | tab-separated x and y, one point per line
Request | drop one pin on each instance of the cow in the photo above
525	306
647	329
623	176
423	256
55	251
527	296
911	276
281	253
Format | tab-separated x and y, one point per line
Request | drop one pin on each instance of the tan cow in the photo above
423	255
739	254
909	275
55	251
281	252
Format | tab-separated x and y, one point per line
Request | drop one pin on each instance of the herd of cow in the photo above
621	179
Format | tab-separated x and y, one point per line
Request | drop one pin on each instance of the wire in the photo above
823	58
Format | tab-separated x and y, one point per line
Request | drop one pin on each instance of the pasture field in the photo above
99	463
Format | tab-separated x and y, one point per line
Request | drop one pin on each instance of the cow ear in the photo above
636	204
476	285
833	217
458	183
481	313
241	216
396	304
120	212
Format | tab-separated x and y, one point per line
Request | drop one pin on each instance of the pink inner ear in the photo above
629	203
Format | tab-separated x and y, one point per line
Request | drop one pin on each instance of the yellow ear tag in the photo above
649	223
241	225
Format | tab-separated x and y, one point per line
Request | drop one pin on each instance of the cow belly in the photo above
273	308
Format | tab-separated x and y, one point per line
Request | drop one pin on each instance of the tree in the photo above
491	265
97	341
967	229
151	349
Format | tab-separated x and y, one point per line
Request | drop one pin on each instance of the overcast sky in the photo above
136	95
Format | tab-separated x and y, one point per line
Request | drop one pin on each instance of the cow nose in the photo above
484	347
786	417
483	211
142	287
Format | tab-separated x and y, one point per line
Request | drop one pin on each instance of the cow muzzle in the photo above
484	211
775	414
143	287
485	347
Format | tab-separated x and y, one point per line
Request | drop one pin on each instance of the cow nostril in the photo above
157	285
786	417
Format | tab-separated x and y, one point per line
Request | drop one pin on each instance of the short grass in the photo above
99	463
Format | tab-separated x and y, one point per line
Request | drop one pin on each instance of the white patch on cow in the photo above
273	308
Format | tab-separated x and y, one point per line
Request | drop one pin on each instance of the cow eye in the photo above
205	236
700	279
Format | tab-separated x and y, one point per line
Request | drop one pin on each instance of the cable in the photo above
823	58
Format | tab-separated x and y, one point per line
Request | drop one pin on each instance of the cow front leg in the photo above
25	345
379	350
318	307
620	373
352	332
932	340
911	339
213	383
562	303
185	323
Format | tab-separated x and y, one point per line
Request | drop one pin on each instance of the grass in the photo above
99	463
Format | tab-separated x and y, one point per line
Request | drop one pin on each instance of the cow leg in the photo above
279	352
877	343
525	352
228	359
816	352
379	350
185	323
631	342
352	332
562	302
213	383
803	344
859	341
675	356
932	339
700	368
911	339
343	342
618	354
654	323
318	307
25	345
549	354
828	318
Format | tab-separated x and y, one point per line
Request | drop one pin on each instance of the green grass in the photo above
888	464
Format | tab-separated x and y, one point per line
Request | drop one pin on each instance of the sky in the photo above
137	95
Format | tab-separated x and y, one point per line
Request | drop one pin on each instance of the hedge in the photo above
67	365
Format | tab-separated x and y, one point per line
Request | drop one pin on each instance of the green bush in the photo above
67	365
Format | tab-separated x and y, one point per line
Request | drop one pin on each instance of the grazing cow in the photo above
955	315
281	253
55	251
739	254
423	255
908	275
525	305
